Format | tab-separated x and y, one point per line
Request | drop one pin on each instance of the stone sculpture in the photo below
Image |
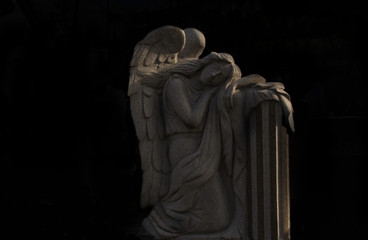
212	145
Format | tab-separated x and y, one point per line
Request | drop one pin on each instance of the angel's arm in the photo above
243	82
191	115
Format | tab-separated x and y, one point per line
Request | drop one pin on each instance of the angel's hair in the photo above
188	68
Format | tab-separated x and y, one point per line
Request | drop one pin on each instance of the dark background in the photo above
69	157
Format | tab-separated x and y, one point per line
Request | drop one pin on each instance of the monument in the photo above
213	144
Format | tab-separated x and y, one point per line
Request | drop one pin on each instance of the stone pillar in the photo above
267	174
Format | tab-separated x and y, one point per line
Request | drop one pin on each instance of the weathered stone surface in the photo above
213	149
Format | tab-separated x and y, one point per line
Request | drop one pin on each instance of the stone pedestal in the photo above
268	206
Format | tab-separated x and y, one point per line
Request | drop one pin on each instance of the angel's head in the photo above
195	43
219	68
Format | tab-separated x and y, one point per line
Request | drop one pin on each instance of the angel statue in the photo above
195	120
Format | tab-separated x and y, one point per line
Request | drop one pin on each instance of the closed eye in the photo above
215	74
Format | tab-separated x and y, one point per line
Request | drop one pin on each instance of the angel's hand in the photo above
249	80
246	81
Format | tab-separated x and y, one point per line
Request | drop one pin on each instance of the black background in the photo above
69	157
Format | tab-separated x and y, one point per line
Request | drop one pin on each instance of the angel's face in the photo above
215	73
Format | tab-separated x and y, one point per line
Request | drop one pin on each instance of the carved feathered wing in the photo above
158	50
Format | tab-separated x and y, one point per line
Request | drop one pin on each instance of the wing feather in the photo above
148	105
155	120
154	189
157	155
148	177
145	149
140	53
137	115
152	56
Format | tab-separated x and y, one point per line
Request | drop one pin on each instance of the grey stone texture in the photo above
214	151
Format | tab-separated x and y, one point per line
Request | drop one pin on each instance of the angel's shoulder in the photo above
176	80
175	86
